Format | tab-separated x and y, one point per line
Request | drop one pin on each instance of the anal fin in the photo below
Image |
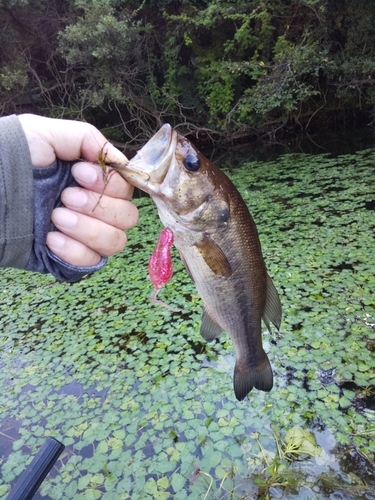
209	328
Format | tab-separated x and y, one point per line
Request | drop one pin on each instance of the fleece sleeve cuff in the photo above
49	183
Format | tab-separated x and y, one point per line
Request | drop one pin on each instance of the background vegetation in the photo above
226	68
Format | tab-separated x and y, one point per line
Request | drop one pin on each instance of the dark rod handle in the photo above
32	477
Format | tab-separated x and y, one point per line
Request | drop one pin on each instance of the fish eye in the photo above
192	163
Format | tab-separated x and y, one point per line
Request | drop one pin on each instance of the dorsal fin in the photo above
272	311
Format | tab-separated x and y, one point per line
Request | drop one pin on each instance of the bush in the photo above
231	67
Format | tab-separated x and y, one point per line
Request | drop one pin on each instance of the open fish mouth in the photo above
151	163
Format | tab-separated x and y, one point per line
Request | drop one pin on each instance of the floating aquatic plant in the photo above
145	407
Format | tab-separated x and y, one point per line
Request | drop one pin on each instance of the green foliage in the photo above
101	46
230	67
146	408
14	78
100	34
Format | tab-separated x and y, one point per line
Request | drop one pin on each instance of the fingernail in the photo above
55	241
64	218
114	155
85	173
75	197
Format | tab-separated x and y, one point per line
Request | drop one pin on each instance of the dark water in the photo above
329	142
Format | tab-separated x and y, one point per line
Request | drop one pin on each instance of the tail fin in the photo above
245	378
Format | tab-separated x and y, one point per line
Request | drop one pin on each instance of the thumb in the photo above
67	140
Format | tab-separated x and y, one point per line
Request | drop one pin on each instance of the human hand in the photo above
84	235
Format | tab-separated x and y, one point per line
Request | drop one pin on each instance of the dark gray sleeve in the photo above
16	195
27	198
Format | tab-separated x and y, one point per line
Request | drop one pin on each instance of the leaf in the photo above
162	495
18	444
163	482
345	402
119	434
125	485
177	482
84	481
71	489
150	487
3	489
209	408
91	494
259	481
214	458
102	447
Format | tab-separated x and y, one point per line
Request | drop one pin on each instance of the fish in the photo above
218	243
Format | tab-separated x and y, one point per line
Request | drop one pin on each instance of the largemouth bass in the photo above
219	245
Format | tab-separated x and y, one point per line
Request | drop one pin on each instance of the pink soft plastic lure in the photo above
160	267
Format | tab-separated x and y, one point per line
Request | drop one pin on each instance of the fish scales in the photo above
219	245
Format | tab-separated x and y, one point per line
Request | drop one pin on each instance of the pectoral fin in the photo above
214	257
209	328
272	311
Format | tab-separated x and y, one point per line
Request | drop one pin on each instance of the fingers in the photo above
92	223
91	177
111	207
71	250
121	214
68	140
96	235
